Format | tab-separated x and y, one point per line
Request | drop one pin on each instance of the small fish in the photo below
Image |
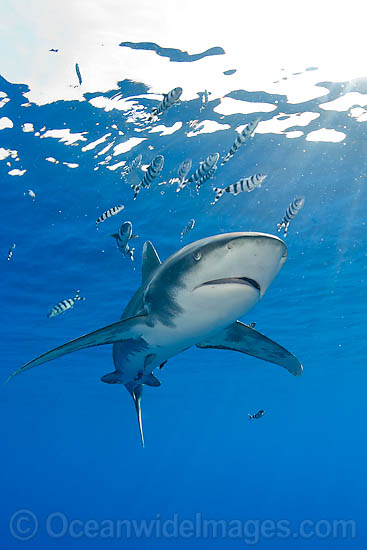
167	102
125	233
193	123
259	414
292	210
11	251
241	138
31	193
182	171
154	168
64	305
205	177
78	73
187	229
109	213
202	171
134	164
197	128
244	184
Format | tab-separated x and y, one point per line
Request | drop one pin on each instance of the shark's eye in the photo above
197	256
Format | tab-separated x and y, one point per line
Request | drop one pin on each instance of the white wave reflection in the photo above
207	127
126	146
359	114
166	130
5	153
344	102
325	134
282	121
65	136
16	172
5	122
230	106
94	144
28	127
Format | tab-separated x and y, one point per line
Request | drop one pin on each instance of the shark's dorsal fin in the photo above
240	337
150	261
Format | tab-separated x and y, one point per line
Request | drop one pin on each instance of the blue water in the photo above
70	444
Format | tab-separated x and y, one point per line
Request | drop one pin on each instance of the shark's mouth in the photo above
234	280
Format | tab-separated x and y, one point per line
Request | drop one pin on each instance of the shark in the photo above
194	298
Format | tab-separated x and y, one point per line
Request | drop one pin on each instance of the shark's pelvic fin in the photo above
116	332
150	261
150	380
240	337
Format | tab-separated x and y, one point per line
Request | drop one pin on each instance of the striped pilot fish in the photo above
187	229
206	166
134	164
182	171
292	211
241	138
109	213
257	415
167	102
244	184
11	251
207	176
153	170
63	306
125	233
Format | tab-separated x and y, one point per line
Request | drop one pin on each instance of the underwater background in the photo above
74	473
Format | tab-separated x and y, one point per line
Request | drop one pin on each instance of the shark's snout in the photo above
254	258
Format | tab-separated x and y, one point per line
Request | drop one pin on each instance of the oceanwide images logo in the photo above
25	525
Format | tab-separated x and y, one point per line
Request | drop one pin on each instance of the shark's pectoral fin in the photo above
240	337
123	330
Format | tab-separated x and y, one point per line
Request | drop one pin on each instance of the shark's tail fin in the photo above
135	392
137	400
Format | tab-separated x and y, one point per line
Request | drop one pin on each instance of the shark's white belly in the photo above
198	320
200	317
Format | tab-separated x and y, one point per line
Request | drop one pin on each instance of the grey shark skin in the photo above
194	298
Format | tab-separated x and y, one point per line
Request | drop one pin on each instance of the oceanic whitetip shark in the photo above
193	298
